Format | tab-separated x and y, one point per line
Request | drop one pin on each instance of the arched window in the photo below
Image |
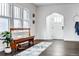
56	18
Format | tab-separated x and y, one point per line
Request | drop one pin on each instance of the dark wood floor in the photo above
71	48
62	48
55	49
58	48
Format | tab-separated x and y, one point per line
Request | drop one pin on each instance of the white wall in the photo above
67	10
69	32
42	13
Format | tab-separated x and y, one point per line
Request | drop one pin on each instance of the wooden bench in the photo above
14	43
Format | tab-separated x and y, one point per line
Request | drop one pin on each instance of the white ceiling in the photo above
42	4
47	4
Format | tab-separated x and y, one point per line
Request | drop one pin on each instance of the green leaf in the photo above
7	36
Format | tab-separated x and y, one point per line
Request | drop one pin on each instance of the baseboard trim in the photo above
49	39
72	40
43	39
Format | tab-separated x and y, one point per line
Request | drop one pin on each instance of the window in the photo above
25	24
26	18
4	24
57	18
4	9
17	17
17	23
25	15
20	17
17	12
4	16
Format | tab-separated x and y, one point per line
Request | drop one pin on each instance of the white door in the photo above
55	24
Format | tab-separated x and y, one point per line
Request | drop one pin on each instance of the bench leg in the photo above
33	42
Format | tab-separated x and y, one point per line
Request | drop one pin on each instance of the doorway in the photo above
55	26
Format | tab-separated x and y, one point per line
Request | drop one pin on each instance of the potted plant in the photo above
7	39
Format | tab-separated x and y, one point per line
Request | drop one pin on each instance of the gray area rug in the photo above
35	50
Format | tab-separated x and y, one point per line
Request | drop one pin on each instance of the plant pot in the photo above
7	50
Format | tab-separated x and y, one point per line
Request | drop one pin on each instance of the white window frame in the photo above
27	20
16	17
7	17
11	16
